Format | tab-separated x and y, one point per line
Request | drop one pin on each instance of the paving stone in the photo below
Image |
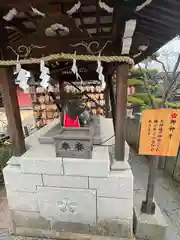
4	214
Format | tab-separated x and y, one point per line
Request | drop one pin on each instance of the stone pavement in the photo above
167	193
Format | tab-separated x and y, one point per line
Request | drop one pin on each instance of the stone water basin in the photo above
48	137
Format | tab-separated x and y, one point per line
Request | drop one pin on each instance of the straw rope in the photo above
67	56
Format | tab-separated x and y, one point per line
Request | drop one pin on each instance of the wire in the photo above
106	140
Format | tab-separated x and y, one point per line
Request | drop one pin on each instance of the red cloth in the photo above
24	99
69	122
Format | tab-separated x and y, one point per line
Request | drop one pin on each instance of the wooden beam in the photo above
90	25
91	14
98	29
58	45
160	15
82	21
18	24
153	19
121	104
12	111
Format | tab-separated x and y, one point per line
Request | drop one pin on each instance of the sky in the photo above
168	55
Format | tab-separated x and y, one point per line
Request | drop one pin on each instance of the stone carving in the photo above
67	206
74	143
79	147
65	146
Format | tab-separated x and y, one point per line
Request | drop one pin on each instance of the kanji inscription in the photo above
160	132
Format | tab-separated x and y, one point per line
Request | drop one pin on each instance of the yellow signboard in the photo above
160	132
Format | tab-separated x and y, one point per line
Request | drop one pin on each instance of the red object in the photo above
24	99
69	122
174	115
130	90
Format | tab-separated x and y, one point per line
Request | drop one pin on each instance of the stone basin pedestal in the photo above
74	143
51	196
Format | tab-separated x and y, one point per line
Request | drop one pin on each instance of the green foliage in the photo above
156	100
136	72
142	96
135	82
5	154
152	72
173	105
135	100
142	99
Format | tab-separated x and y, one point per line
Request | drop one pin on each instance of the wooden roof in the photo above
156	23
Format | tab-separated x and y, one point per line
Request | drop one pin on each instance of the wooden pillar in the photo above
106	98
121	104
12	111
61	91
112	100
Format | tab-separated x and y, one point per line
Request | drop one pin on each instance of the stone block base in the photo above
153	227
49	196
121	227
31	222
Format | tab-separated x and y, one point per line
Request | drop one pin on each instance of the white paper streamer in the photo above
74	69
45	82
103	85
44	75
23	77
18	65
99	70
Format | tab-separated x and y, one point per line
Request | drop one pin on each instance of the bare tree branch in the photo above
164	68
176	67
173	82
172	79
145	79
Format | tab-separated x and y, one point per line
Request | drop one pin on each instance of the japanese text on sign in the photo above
160	132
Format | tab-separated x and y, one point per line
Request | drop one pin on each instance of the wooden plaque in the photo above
160	132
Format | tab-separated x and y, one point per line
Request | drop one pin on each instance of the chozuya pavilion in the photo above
63	181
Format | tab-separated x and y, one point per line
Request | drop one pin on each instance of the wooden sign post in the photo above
160	136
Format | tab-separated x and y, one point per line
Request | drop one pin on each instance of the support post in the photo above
112	99
121	111
12	111
61	91
10	99
106	97
148	206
